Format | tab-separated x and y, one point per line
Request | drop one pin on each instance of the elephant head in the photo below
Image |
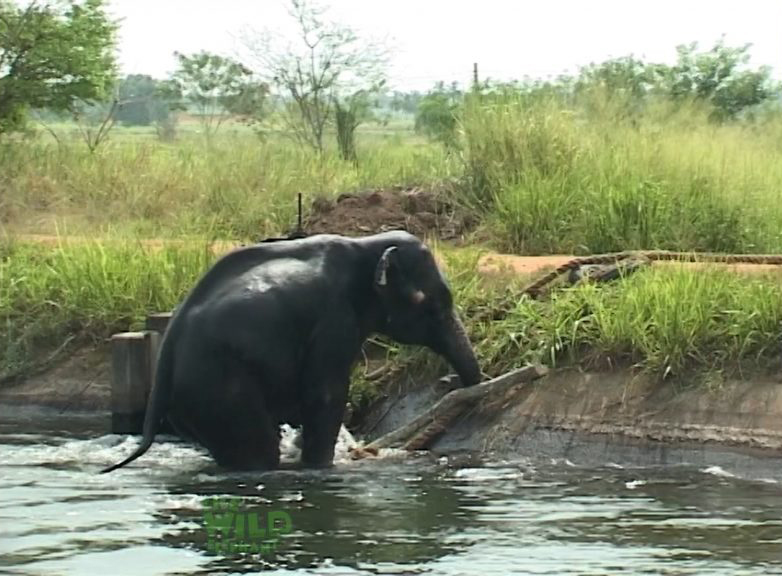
418	307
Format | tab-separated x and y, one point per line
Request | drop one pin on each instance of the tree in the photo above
348	115
436	116
53	55
616	88
327	64
406	101
216	87
720	77
95	121
626	76
143	101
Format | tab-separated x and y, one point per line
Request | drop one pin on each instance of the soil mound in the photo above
420	211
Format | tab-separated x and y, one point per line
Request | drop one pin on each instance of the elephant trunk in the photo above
458	351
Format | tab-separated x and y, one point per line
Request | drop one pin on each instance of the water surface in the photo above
394	515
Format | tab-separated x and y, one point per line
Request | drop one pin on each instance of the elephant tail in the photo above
158	400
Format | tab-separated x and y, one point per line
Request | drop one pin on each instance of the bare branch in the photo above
50	130
93	140
328	61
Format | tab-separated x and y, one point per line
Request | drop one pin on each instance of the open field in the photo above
538	179
543	178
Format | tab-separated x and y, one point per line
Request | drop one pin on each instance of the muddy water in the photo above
530	515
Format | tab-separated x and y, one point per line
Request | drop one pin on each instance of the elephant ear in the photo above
387	267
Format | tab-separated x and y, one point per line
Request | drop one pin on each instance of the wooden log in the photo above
158	322
417	434
133	362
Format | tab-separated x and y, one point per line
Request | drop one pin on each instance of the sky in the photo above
433	40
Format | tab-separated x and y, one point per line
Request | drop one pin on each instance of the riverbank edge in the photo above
733	412
619	405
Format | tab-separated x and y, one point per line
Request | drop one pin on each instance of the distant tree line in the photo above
719	78
57	59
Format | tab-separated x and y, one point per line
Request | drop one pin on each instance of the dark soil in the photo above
423	212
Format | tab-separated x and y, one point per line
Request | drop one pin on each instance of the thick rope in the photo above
535	288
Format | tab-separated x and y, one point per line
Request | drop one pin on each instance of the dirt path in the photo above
489	263
537	265
424	211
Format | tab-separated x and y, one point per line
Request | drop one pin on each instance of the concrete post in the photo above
133	362
158	322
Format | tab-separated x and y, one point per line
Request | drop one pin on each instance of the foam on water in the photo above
718	471
290	446
101	451
165	453
488	474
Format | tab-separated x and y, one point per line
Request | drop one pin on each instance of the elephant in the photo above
270	333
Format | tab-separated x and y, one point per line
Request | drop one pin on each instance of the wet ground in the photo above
592	512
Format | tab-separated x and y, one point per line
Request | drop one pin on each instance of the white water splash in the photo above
718	471
290	447
488	474
166	453
100	451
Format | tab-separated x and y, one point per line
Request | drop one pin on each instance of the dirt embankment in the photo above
420	211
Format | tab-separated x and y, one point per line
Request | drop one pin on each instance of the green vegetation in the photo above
217	88
436	115
625	155
544	178
666	320
235	188
143	102
323	74
53	56
85	291
550	178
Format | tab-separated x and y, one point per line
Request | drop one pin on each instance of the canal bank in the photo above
731	312
567	412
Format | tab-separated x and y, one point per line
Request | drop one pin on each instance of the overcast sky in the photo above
440	39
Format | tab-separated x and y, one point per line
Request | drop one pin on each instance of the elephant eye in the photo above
418	297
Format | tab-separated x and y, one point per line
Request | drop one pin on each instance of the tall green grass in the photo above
545	175
85	291
556	178
237	186
667	321
664	320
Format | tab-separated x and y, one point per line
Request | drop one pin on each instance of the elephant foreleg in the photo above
325	383
319	434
